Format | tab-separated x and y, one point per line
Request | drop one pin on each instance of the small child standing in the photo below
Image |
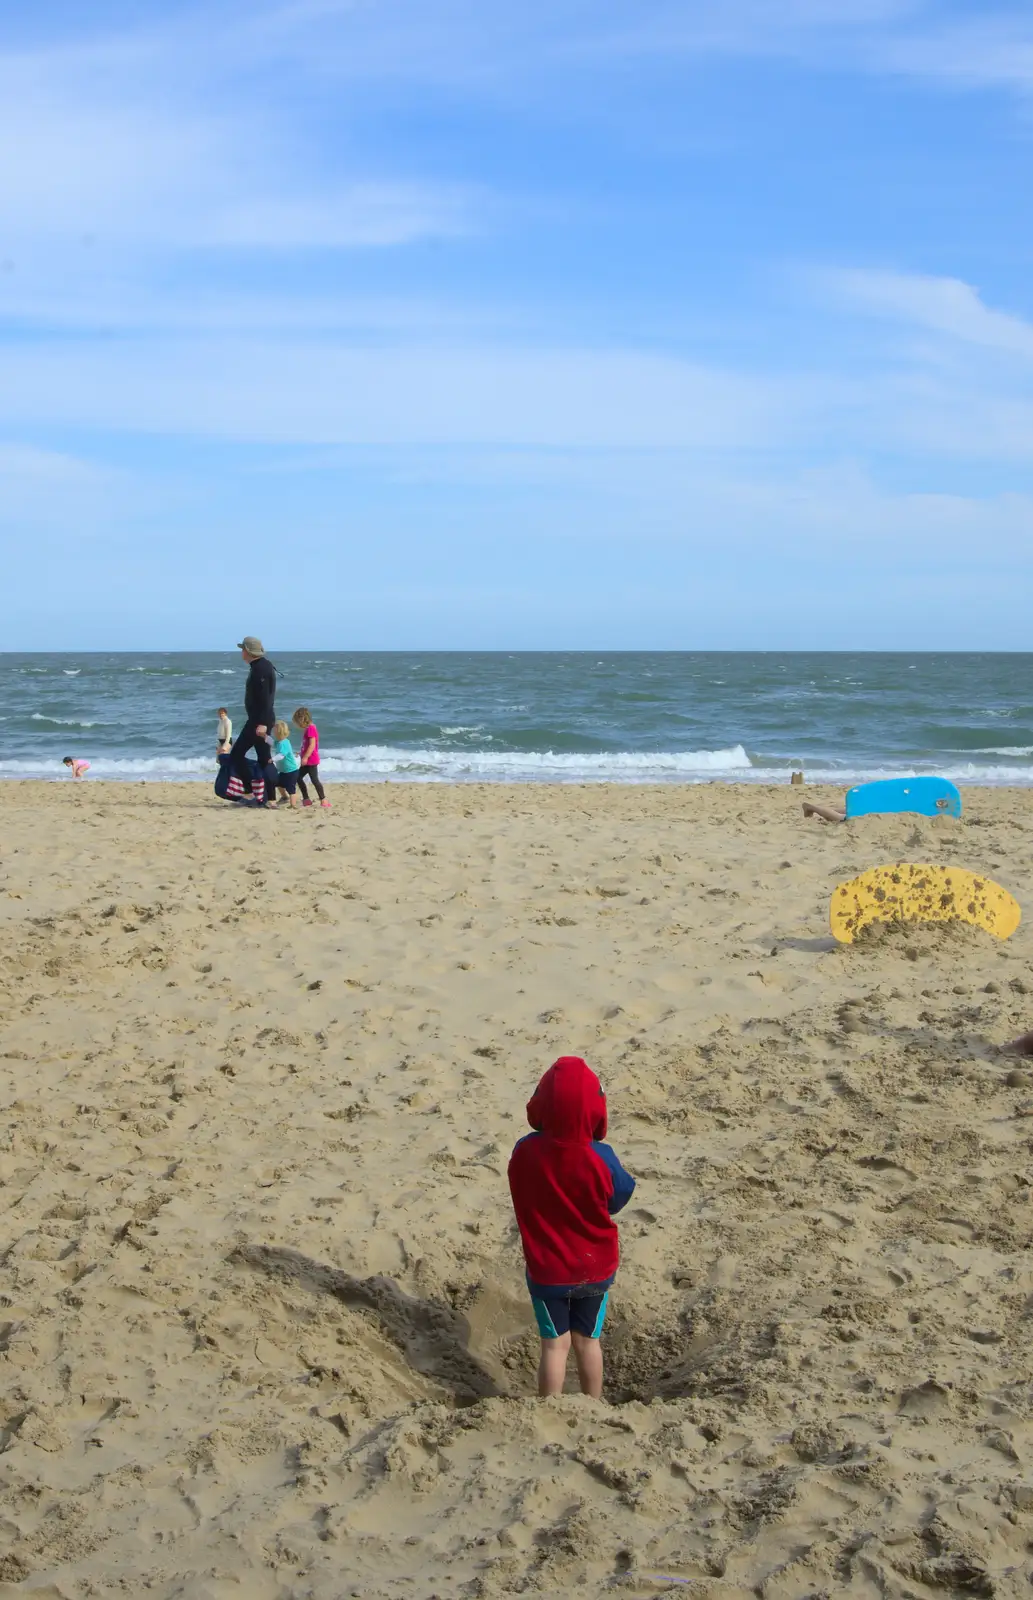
79	768
309	768
223	733
566	1186
286	763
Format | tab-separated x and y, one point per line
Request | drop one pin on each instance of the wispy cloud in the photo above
106	301
152	141
463	44
52	488
743	27
153	183
362	216
407	392
461	41
980	46
929	368
28	464
945	305
317	391
843	502
984	51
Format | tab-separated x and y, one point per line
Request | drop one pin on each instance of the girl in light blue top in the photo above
287	763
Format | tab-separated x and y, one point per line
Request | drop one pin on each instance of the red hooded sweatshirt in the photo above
566	1185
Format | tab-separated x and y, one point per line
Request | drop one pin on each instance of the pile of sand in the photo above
263	1331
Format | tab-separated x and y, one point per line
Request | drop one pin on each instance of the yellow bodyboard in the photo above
907	893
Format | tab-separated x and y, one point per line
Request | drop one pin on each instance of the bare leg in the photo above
826	813
1022	1046
588	1354
552	1365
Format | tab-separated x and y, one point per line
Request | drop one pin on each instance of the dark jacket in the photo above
566	1185
260	693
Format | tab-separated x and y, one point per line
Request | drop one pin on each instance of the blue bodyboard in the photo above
929	797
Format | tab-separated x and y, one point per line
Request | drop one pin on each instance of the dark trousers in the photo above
313	773
247	740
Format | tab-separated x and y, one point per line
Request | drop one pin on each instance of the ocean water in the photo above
538	717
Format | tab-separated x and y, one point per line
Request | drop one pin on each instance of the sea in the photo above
537	717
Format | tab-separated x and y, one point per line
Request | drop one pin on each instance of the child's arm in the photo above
623	1182
307	747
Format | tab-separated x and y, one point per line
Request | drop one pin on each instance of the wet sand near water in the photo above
263	1329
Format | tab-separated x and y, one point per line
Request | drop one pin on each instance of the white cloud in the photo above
988	48
947	374
468	42
48	487
364	215
118	158
945	305
838	511
842	508
28	464
477	47
194	132
966	421
985	51
152	143
743	27
326	392
264	372
104	301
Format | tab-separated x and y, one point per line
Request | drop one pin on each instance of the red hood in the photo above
569	1102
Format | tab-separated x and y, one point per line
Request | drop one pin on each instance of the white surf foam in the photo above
60	722
380	763
367	762
159	768
1002	750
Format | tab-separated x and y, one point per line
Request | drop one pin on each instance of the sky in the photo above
545	324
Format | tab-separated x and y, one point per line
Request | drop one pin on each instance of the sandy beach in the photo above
263	1328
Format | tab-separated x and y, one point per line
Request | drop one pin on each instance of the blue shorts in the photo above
564	1310
288	781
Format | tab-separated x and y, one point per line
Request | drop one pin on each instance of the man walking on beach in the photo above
260	714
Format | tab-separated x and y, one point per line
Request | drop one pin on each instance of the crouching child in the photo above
566	1187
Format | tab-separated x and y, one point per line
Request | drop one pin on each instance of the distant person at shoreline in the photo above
260	714
286	764
566	1186
309	768
223	733
79	768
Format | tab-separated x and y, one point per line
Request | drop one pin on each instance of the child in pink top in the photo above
309	758
79	768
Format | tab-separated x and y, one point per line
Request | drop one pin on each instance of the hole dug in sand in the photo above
428	1337
688	1357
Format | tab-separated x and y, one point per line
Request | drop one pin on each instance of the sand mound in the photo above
910	941
909	832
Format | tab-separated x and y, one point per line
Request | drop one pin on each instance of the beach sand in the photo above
263	1326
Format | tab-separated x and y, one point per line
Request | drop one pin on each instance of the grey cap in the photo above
253	646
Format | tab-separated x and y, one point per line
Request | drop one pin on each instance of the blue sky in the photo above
455	324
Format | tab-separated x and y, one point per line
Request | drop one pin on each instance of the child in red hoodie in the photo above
566	1186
